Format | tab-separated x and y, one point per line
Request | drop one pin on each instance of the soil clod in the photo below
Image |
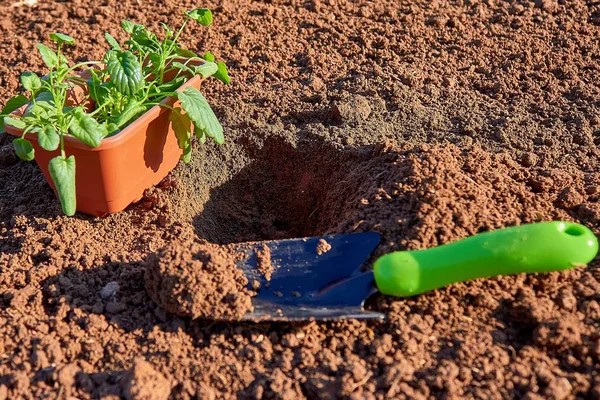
323	247
198	281
263	261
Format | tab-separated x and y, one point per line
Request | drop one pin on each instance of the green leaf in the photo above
208	56
222	73
201	15
112	129
128	26
182	67
62	38
186	53
48	138
44	106
14	103
17	123
201	136
50	58
172	85
85	128
131	110
125	72
206	69
11	105
168	31
24	149
144	37
199	111
182	126
36	111
186	156
155	59
31	81
112	41
98	90
63	60
62	172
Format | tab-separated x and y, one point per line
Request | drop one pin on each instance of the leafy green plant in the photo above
131	78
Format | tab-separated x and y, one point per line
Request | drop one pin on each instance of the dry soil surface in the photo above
426	121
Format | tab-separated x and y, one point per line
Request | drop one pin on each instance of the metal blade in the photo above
305	285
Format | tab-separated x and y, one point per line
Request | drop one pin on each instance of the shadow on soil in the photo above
284	192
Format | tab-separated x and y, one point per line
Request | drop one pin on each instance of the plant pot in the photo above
115	174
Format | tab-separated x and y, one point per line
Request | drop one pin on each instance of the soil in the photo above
197	281
425	121
144	383
263	261
323	247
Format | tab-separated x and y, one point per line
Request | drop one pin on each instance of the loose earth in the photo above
426	121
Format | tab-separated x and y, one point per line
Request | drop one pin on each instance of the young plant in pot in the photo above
104	135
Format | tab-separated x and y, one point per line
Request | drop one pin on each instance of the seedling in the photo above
130	79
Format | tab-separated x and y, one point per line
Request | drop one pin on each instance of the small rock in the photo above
516	9
109	290
316	84
351	111
529	159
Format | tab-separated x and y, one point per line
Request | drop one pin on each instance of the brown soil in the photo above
142	382
197	281
426	121
263	261
323	246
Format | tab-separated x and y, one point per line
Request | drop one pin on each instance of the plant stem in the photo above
161	94
81	64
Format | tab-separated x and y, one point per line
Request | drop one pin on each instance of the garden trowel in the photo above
307	284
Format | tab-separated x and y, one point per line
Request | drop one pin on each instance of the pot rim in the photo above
123	135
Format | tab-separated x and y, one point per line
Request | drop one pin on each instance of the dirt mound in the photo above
198	281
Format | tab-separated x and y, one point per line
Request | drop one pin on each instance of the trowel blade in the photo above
306	285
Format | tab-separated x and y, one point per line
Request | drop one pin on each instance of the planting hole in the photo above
283	191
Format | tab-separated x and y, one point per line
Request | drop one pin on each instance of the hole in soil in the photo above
284	192
574	230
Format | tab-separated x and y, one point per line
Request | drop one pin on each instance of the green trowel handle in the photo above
539	247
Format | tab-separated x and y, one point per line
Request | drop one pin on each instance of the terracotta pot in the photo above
116	173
